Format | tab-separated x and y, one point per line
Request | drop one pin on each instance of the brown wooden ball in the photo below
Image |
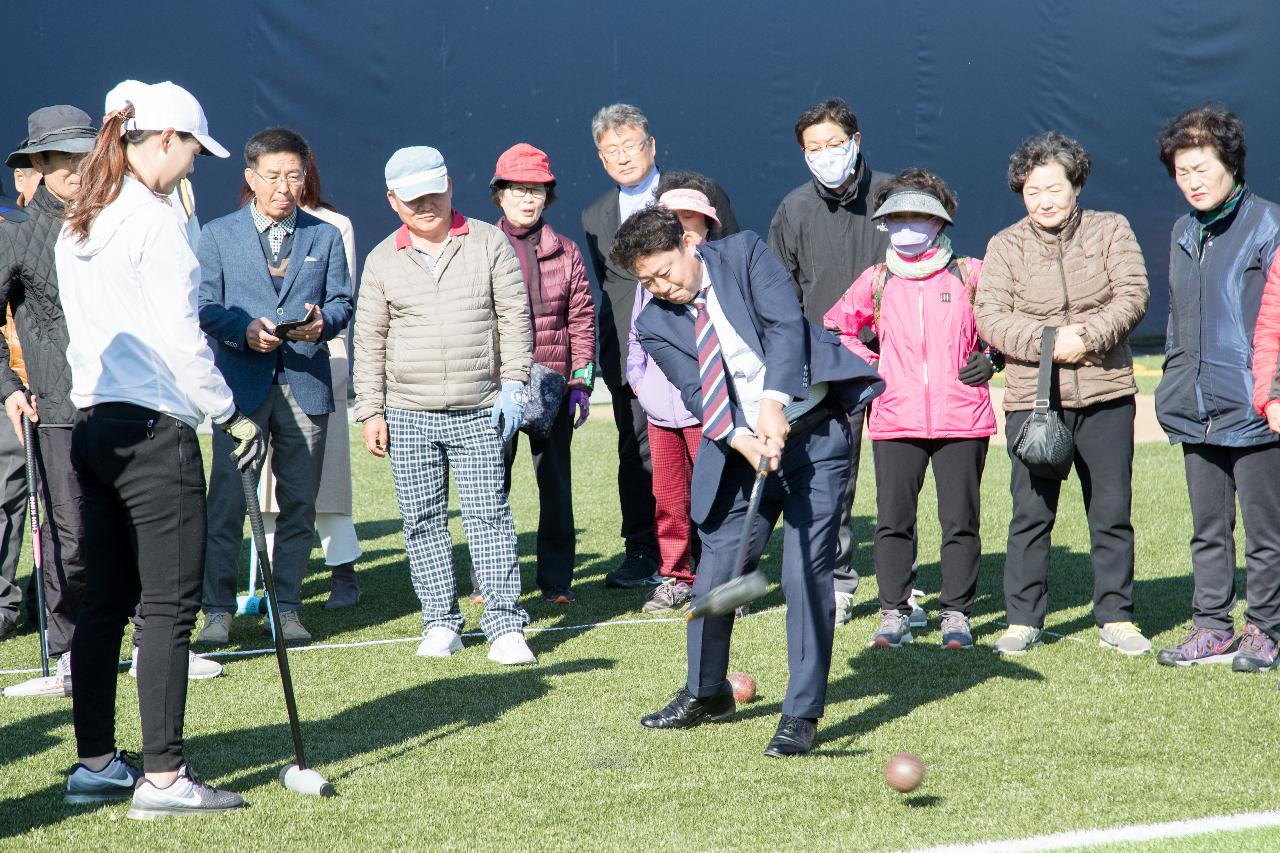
904	772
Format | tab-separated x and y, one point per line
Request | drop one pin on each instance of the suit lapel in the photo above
303	237
259	262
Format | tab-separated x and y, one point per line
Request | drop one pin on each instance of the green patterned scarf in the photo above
1207	217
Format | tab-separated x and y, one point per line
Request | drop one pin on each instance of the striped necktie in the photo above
717	417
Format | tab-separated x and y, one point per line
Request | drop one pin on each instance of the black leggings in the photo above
144	540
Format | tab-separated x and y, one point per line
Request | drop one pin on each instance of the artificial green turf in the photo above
460	753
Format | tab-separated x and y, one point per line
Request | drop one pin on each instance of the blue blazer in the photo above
236	289
759	300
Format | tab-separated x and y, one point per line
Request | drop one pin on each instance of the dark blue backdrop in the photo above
950	86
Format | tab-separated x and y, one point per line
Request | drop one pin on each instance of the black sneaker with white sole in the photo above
186	796
116	781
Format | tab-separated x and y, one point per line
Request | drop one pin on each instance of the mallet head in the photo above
724	599
307	782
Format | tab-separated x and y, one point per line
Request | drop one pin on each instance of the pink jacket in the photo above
926	331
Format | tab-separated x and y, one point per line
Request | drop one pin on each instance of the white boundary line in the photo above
1117	834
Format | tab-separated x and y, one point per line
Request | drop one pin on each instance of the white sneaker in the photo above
510	649
440	643
844	608
57	684
198	668
919	618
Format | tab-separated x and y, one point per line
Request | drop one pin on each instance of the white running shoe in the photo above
510	650
186	796
440	642
844	608
198	668
57	684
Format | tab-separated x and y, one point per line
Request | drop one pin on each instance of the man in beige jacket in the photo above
443	349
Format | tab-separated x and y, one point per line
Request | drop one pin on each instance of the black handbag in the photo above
546	393
1044	443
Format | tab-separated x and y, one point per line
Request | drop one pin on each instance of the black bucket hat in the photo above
59	128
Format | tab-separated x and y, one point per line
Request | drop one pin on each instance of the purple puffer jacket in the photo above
659	398
564	326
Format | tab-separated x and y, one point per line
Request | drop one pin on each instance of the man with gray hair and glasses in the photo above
628	153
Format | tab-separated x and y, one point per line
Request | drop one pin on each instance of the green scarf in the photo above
923	268
1206	218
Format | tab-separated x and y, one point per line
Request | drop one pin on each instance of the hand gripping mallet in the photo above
296	777
33	509
746	587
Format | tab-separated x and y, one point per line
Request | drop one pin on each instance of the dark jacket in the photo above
563	312
236	289
1206	393
600	221
757	298
826	239
29	283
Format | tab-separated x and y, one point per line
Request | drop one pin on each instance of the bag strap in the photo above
878	281
1044	381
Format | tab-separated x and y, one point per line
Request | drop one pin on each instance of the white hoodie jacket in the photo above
129	296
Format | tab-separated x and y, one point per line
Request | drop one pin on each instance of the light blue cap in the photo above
416	171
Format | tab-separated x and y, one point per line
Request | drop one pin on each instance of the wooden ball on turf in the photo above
744	686
904	772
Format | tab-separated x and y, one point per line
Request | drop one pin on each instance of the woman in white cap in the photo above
936	407
142	379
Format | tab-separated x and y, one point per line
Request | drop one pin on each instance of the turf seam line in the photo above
1113	835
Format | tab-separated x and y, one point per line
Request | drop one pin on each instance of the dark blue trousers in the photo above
807	493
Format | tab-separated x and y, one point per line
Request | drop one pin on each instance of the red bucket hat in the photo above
523	164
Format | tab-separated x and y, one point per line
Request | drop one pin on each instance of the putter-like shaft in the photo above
33	509
740	589
282	657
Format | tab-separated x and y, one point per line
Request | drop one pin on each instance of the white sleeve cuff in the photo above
784	399
737	432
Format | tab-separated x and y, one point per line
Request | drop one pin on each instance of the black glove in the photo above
978	370
248	438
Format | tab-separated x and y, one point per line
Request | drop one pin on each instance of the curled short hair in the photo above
834	110
685	180
918	179
1206	126
646	232
1051	147
275	140
615	116
495	190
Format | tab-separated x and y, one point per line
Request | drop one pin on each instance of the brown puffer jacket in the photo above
1090	273
446	340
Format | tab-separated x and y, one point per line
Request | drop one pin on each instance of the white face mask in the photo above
911	238
832	167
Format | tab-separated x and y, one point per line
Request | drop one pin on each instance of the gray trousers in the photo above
13	520
296	440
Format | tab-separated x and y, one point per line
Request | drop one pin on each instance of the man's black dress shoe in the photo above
687	711
794	737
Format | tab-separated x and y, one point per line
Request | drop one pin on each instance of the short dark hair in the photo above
496	188
275	140
918	179
646	232
1208	125
834	110
1051	147
681	179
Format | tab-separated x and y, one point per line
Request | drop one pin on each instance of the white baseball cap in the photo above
416	171
160	106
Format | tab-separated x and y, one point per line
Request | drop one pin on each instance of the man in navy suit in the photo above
270	263
725	319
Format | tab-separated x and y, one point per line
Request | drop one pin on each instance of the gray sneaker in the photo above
290	626
116	781
844	608
667	598
216	630
1018	639
919	618
1123	637
894	631
186	796
955	630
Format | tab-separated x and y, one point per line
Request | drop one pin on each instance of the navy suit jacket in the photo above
236	289
759	301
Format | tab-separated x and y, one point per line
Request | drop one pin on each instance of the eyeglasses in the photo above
833	147
518	191
631	149
293	179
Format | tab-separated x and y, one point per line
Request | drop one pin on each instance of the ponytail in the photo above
102	172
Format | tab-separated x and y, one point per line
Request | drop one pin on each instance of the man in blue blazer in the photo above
270	263
727	330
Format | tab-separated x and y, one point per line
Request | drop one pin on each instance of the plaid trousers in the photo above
424	446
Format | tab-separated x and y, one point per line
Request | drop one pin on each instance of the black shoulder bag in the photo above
1044	443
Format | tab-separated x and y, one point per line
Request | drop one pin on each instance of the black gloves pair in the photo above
978	370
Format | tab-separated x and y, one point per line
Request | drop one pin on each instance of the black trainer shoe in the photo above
116	781
639	568
687	711
794	737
